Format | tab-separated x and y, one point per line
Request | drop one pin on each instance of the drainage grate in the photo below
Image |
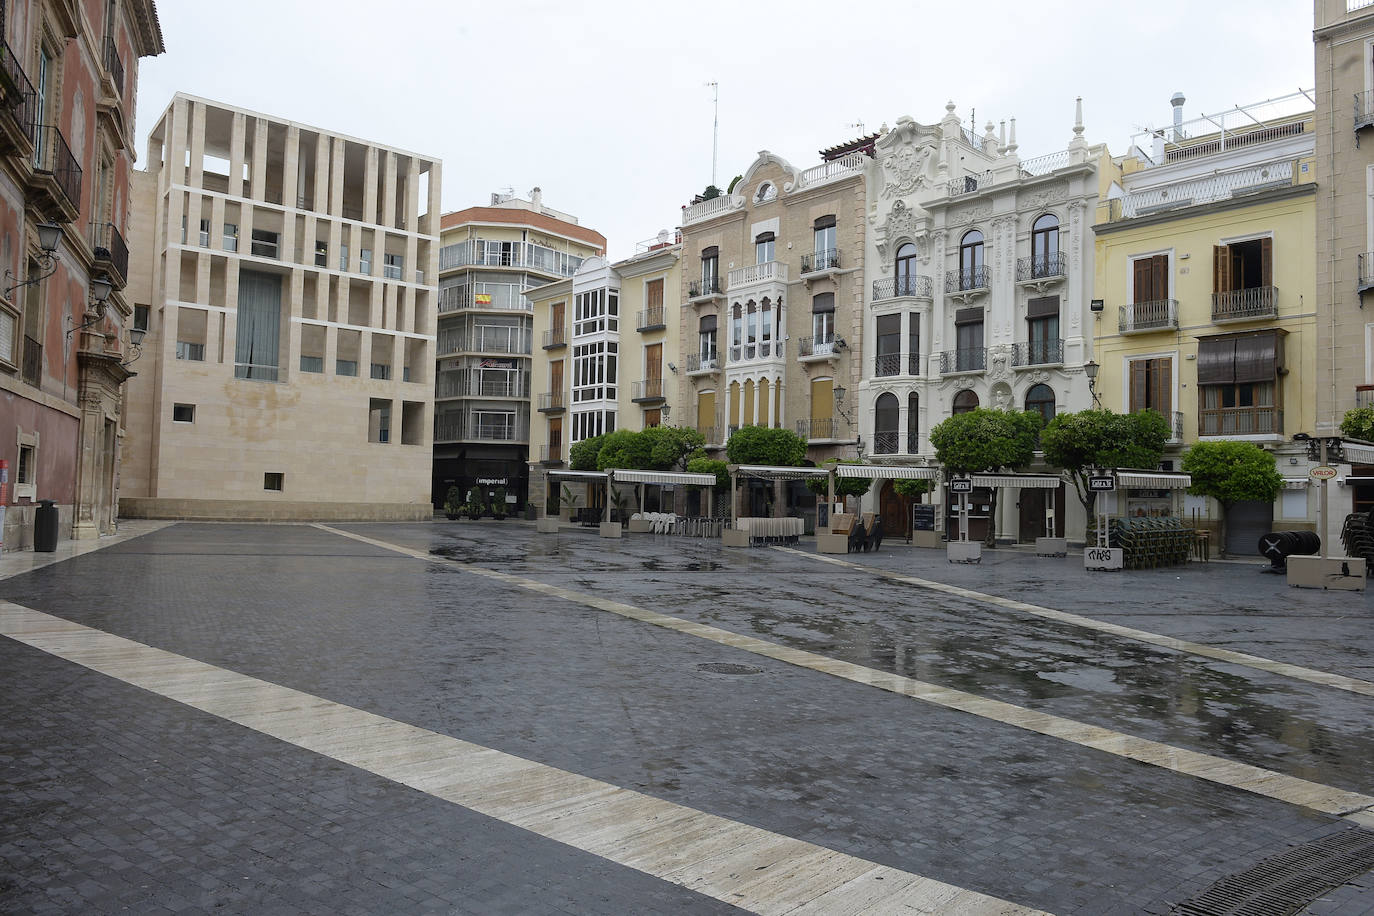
1288	882
728	668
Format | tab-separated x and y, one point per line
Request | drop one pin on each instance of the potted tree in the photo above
453	506
498	504
568	504
475	508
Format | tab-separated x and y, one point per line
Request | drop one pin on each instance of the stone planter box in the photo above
546	525
734	537
1342	573
1051	547
965	552
926	539
1108	558
639	526
831	543
610	529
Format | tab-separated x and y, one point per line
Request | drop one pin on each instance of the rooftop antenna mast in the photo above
715	126
859	125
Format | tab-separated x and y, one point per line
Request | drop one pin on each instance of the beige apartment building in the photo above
772	281
608	358
288	290
489	258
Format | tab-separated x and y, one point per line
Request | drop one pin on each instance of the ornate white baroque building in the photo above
979	280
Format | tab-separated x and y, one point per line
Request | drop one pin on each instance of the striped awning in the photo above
672	478
1153	480
579	475
886	472
770	472
1024	481
1358	454
1294	483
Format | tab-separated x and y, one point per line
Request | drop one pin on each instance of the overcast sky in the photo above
605	105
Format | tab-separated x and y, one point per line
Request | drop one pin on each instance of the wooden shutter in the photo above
556	376
1164	389
1266	262
1159	271
1138	376
654	294
653	361
706	410
1221	269
822	399
1142	280
556	315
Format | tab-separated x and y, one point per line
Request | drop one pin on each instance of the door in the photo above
653	371
895	511
1246	523
1032	522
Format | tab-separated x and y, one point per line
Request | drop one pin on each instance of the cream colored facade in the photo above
289	273
1206	267
772	281
489	258
610	355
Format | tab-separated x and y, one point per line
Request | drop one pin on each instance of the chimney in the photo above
1177	101
536	198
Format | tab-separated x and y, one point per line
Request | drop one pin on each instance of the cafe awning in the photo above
1024	481
770	472
1153	480
671	478
886	472
579	475
1358	454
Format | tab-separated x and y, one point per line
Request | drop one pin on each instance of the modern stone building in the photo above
978	284
289	277
1208	274
490	257
68	91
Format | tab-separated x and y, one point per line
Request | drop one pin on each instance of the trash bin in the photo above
45	526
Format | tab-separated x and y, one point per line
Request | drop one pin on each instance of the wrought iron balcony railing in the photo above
698	363
914	286
19	99
1246	304
822	345
971	359
703	288
1038	353
819	428
1154	315
913	365
114	66
829	259
887	364
1240	421
650	389
885	442
550	401
52	155
913	443
108	245
966	279
1041	267
651	318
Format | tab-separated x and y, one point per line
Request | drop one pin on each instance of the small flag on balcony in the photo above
482	298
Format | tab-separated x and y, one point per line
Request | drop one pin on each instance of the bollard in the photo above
45	527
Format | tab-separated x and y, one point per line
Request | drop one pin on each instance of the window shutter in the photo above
1257	358
1164	391
1160	272
1142	281
1043	307
1216	361
823	302
969	316
1138	384
1221	269
708	323
1266	262
825	222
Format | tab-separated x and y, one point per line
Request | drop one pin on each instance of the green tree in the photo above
1076	443
763	445
703	465
582	455
671	446
711	192
912	488
1359	424
986	439
624	448
1232	472
844	486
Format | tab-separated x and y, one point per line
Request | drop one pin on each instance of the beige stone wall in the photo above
247	510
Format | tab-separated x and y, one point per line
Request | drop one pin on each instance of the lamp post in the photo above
1090	370
49	235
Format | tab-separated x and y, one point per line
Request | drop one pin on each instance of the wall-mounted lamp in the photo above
49	234
136	336
672	367
840	344
1090	370
1097	305
100	291
665	411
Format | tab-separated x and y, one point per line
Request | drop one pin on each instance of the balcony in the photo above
961	186
903	287
704	290
1364	395
1366	267
1041	271
819	428
551	455
527	255
56	180
463	427
32	369
709	434
1240	421
887	364
967	282
110	252
496	298
1254	304
768	349
114	67
1364	110
971	359
886	442
816	348
820	263
1037	353
651	319
702	365
1154	315
552	402
767	272
17	103
456	340
706	209
555	338
1198	191
647	391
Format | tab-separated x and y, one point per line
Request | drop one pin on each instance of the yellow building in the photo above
609	346
1205	272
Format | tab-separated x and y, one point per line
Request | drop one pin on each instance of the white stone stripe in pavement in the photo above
1297	672
745	866
1326	799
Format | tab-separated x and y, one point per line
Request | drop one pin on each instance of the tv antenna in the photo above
715	126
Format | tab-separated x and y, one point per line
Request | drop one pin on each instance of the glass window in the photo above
1045	247
1040	399
265	243
906	270
231	237
763	248
965	401
971	260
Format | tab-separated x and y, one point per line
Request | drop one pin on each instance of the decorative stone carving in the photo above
1039	377
1036	200
973	214
902	223
1000	395
999	362
907	169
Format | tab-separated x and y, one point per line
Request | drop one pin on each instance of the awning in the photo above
624	475
769	472
1358	454
579	475
1294	483
1024	481
1153	480
886	472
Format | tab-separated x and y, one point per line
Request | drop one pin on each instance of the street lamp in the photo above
100	291
1090	370
49	234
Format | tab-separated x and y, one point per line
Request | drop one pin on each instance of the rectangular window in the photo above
393	266
190	351
1042	331
1152	386
205	233
265	243
343	256
710	270
9	325
231	237
346	367
888	359
913	343
273	480
653	294
1243	265
258	344
1150	278
312	363
1238	381
365	261
321	254
183	413
140	318
826	253
763	248
378	420
26	474
192	326
381	371
706	339
968	336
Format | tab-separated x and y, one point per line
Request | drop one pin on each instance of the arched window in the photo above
913	424
736	333
1040	399
965	401
885	411
1045	247
906	270
971	275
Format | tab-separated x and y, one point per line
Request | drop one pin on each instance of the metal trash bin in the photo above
45	527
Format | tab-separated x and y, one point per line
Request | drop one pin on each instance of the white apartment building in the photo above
288	291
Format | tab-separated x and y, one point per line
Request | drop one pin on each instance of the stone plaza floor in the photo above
470	717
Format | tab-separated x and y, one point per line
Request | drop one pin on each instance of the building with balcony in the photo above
1207	275
489	258
288	280
978	284
68	91
621	359
772	322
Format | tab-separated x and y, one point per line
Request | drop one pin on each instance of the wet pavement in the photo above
120	798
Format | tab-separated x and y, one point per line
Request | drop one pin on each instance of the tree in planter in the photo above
453	502
912	490
582	455
476	509
844	486
764	445
700	464
1232	472
568	499
498	503
1358	424
1078	443
986	439
670	447
624	448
